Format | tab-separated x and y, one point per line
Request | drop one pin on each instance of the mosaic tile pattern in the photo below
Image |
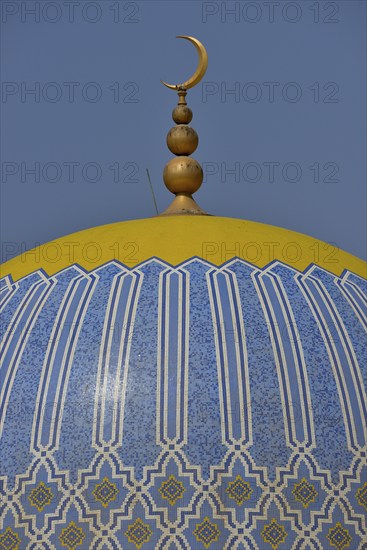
189	407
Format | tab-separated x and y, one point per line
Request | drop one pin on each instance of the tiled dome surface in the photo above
194	407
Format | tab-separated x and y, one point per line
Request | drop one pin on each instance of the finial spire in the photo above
183	175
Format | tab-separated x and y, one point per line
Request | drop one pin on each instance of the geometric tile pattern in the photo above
72	536
105	492
339	537
304	492
183	407
206	532
274	534
41	496
9	540
361	495
138	533
172	490
239	490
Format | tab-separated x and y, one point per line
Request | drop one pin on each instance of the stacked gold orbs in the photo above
182	175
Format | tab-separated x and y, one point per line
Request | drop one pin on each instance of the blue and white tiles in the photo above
184	407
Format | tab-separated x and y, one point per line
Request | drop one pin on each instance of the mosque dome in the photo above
183	382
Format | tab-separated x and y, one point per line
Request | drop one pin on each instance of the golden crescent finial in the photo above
201	68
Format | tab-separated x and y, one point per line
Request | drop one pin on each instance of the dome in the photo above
184	382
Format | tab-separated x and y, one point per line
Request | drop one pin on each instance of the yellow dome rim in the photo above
175	239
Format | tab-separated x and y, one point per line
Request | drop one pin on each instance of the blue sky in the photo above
280	113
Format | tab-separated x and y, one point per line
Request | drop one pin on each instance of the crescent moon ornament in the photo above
201	68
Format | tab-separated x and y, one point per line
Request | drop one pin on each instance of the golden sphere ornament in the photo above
182	114
183	175
182	140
